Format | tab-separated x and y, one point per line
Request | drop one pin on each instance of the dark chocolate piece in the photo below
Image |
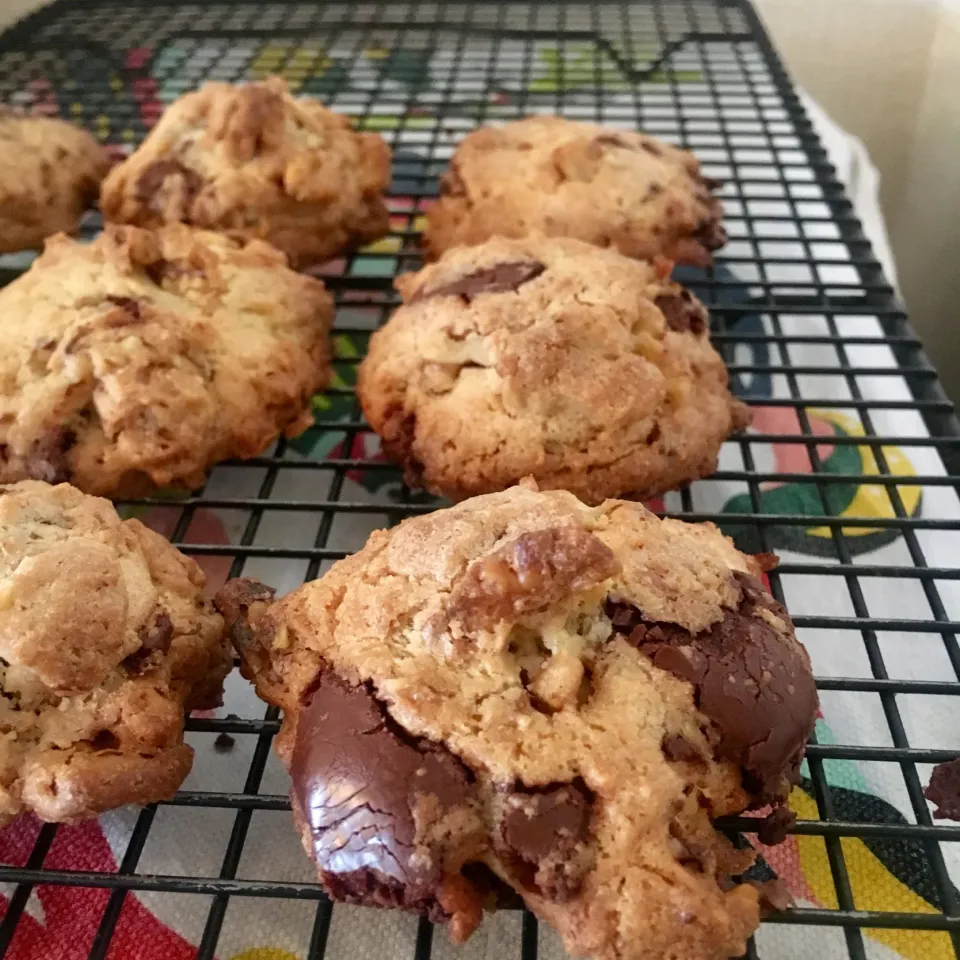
680	749
500	278
224	743
358	782
157	634
944	790
541	838
755	685
153	178
683	312
624	616
776	825
45	460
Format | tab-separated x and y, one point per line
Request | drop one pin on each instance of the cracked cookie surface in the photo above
143	358
613	188
560	695
52	173
105	642
253	162
590	371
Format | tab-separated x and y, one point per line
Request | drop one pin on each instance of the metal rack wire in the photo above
798	302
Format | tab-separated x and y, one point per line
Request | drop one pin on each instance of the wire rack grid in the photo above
850	469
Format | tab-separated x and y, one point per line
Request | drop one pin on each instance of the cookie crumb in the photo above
944	790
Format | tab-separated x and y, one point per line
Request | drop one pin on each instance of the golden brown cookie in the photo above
553	358
565	696
252	162
144	358
613	188
105	642
51	175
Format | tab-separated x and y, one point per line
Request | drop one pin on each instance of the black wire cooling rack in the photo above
849	470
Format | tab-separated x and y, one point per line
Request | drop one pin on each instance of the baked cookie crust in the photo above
612	188
590	371
565	695
255	163
142	359
51	175
105	642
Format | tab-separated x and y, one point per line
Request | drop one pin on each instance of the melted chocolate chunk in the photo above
776	825
542	836
680	749
45	460
153	178
500	278
157	634
358	780
944	790
652	148
754	684
624	616
682	312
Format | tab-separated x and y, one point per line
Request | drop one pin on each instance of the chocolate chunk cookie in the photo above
252	162
105	642
590	371
612	188
51	174
560	695
142	359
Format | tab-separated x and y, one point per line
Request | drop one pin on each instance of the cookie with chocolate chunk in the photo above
105	642
613	188
143	358
252	162
552	358
563	696
51	175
